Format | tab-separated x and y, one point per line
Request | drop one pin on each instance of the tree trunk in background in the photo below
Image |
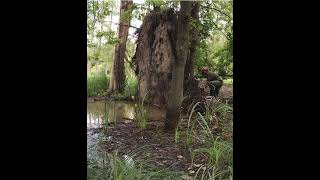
118	76
194	42
88	64
176	84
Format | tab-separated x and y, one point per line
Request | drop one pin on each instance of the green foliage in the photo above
220	165
201	141
215	50
224	59
97	84
130	89
131	81
97	33
157	3
228	81
142	117
131	85
110	35
216	53
128	167
216	36
223	109
142	114
126	16
139	11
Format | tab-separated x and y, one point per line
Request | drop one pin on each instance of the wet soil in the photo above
158	146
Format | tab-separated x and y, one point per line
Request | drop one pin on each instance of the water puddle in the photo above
101	113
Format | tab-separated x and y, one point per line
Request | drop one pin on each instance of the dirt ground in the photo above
226	91
158	146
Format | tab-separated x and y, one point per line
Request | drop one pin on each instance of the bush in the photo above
204	139
97	84
130	86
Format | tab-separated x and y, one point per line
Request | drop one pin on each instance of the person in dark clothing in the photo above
214	81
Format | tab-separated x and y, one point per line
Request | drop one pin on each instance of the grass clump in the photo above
204	138
97	84
128	167
142	114
130	88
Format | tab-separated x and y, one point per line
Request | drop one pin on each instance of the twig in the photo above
221	30
218	10
121	24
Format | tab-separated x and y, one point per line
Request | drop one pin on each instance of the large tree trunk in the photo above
160	59
118	77
176	84
155	53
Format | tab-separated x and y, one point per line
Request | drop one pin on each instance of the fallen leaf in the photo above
180	157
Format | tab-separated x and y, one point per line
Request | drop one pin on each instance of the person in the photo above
214	81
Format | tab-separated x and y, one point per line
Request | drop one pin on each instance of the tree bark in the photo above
118	76
176	84
154	56
194	42
88	64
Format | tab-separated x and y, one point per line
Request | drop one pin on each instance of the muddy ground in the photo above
158	146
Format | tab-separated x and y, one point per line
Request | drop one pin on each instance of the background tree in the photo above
216	37
194	43
118	76
176	85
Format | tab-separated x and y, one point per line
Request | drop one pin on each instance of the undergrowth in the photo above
97	84
128	167
208	135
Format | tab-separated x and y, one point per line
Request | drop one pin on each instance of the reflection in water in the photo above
101	112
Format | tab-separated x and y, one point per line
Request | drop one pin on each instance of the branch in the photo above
142	6
221	30
218	10
121	24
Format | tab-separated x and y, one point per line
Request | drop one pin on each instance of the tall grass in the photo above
130	88
203	142
220	160
97	84
142	114
129	167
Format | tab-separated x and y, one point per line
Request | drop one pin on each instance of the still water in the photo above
100	113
